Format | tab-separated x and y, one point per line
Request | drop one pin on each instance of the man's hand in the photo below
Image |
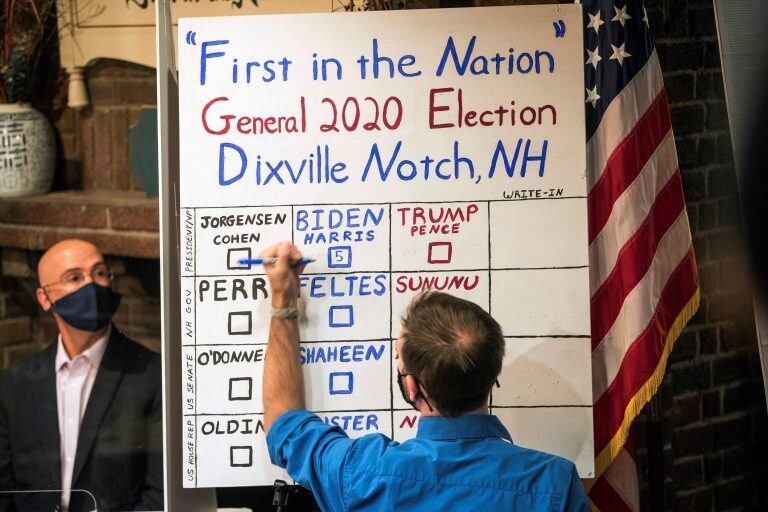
283	276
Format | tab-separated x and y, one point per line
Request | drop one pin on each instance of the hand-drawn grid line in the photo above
415	271
490	281
194	280
391	343
390	271
553	338
391	203
393	410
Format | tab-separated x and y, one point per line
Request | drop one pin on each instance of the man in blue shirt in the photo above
450	353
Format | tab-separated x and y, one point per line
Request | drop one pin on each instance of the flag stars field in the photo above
621	15
619	53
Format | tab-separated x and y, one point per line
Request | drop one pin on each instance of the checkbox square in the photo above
341	316
235	255
439	252
340	256
240	388
241	456
240	323
341	383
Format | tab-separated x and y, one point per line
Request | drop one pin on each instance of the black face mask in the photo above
89	308
405	395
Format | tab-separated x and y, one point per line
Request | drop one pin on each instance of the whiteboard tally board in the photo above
406	150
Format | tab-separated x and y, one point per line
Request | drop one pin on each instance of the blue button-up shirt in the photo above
464	463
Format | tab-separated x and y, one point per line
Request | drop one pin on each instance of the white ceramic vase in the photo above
27	151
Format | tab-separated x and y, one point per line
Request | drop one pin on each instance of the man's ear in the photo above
43	299
412	388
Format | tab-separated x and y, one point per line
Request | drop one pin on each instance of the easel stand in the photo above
283	492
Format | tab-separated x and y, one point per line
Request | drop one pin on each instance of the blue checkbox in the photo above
341	383
340	256
341	316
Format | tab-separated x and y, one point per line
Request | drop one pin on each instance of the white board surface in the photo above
466	177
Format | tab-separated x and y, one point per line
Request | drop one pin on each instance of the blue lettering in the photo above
375	154
377	58
501	151
344	354
269	70
461	159
222	160
354	422
401	64
539	54
381	282
301	220
369	215
204	56
406	177
374	353
273	171
334	223
437	169
295	177
315	285
352	215
364	287
539	158
317	216
450	50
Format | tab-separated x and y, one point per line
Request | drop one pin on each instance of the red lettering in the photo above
405	284
441	108
418	213
225	117
402	212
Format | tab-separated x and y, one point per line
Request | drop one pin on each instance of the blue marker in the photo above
272	261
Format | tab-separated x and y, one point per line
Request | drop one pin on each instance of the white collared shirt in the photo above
74	381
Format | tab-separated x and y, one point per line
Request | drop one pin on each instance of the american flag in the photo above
643	276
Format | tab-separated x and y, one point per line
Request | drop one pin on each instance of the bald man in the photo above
81	420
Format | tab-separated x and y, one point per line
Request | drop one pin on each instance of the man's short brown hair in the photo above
454	348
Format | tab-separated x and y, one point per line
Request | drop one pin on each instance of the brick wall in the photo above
713	407
94	142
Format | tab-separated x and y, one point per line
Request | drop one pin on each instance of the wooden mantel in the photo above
119	223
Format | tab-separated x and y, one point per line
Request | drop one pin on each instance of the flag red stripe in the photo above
605	497
643	356
635	259
626	162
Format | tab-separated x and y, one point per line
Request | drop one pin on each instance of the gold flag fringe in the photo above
644	394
